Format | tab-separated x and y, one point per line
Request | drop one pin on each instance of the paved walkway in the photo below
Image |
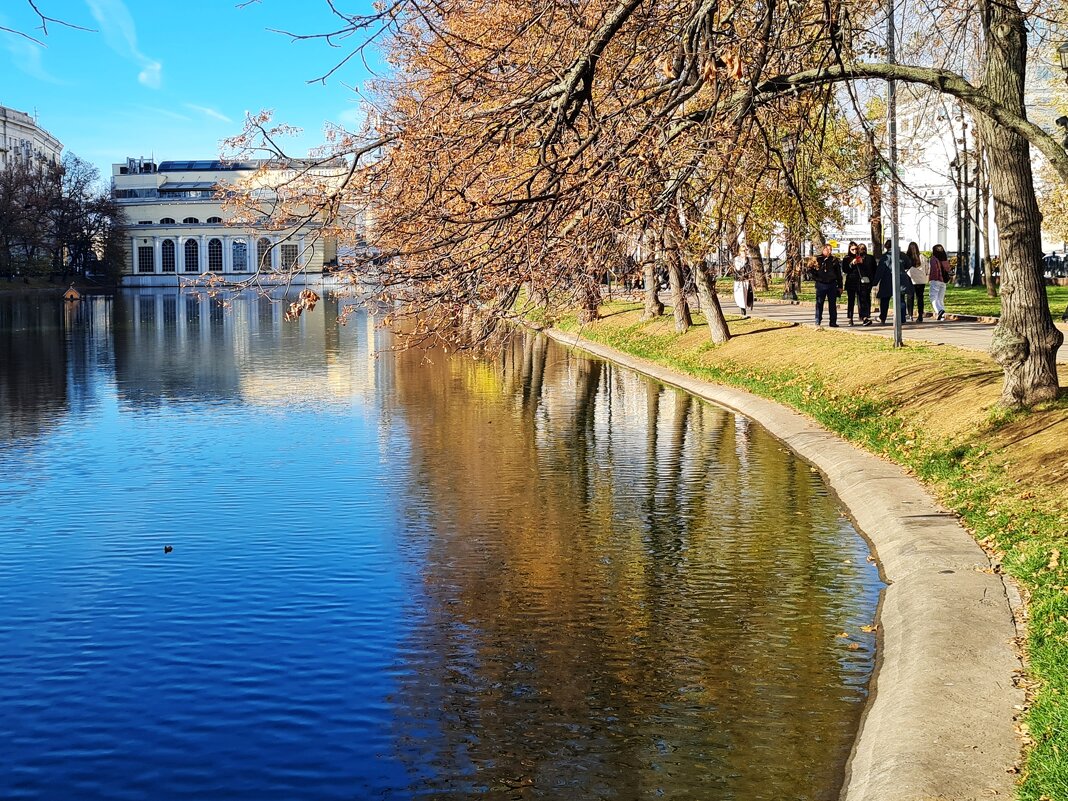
968	335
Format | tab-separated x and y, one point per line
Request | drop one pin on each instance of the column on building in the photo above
157	255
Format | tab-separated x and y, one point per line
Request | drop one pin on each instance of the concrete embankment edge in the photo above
940	721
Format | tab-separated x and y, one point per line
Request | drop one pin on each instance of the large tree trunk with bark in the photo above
706	293
1025	340
677	284
756	267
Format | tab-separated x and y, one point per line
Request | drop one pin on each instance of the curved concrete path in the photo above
940	721
966	334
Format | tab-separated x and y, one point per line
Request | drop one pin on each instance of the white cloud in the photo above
209	112
26	56
151	76
120	33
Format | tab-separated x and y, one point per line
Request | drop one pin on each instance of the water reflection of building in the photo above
172	346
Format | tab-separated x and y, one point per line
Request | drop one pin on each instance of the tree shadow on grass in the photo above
764	330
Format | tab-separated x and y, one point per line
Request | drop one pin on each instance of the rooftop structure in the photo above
23	140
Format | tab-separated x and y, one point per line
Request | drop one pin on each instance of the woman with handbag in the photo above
919	273
938	276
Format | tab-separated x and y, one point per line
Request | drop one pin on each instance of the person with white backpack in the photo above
919	272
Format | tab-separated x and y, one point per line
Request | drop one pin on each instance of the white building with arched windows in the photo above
179	232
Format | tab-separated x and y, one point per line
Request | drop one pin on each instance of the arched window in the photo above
167	254
215	255
167	221
192	256
263	254
240	256
190	221
214	220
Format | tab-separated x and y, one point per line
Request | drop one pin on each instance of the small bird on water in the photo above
167	549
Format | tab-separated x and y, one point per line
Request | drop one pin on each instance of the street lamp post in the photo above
891	111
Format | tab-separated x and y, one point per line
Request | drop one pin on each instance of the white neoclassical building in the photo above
23	140
179	232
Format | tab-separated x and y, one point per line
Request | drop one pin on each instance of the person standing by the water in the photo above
918	274
938	277
827	274
885	279
743	286
866	269
851	279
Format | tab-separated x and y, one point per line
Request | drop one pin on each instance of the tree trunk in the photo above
653	307
1025	340
792	269
875	197
677	284
988	265
706	292
756	267
589	300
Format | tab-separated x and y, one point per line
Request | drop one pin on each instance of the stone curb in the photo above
939	722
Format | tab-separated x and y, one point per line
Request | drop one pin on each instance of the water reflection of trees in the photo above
630	590
46	357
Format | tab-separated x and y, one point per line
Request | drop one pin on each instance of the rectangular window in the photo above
146	262
289	256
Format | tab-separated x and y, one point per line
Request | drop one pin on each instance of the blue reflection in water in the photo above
398	577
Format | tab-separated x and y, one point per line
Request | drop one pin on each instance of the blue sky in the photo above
171	78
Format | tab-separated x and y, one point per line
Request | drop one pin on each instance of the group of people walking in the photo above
858	273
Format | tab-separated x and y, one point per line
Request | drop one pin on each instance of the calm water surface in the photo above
401	576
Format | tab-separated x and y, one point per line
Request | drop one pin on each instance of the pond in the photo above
244	558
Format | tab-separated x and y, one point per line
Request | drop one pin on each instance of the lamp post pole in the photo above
964	263
891	111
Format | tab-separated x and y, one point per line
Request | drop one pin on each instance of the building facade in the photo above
179	231
22	140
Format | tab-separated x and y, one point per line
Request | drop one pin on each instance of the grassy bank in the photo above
931	409
971	300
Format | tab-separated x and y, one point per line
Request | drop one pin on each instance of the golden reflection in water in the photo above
630	588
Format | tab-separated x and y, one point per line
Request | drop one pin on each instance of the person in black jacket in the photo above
828	277
885	279
865	267
851	277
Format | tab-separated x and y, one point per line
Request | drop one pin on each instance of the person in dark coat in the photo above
851	278
860	273
884	277
827	273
